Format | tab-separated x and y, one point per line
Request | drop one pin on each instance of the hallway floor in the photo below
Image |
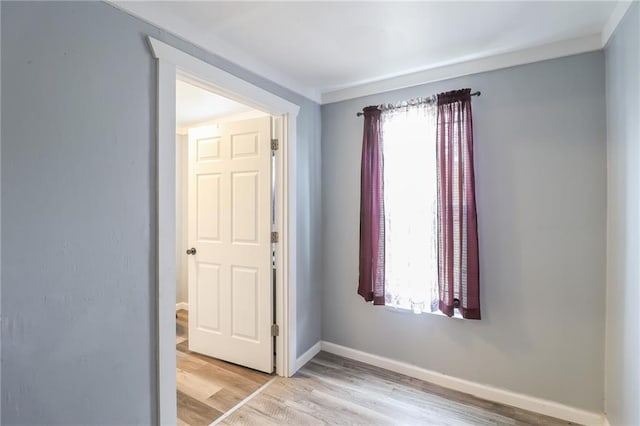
207	387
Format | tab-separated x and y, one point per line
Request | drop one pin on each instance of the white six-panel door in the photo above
230	289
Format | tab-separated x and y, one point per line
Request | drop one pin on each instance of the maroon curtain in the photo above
458	265
371	282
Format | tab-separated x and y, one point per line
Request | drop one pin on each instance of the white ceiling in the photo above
322	47
195	105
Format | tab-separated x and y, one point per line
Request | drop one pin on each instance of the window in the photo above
418	222
410	203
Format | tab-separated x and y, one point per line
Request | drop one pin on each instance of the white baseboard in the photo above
182	305
306	357
605	421
490	393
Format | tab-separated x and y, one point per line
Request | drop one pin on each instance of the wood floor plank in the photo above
194	412
257	377
249	416
195	386
224	400
183	347
187	362
243	374
271	410
336	390
235	383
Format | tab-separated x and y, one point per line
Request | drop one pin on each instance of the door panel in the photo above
208	207
244	304
230	288
208	297
245	145
208	149
245	208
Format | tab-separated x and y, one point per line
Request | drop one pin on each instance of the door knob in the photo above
191	251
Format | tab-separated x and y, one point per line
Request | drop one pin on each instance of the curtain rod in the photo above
359	114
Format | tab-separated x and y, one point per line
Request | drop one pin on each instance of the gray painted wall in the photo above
541	188
78	167
622	392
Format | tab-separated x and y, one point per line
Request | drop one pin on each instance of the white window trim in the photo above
174	63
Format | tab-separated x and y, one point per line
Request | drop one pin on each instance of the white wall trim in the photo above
605	421
459	69
182	306
173	63
490	393
614	20
166	243
306	357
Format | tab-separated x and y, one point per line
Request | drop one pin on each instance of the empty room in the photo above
306	213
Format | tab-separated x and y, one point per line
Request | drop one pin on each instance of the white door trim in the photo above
174	63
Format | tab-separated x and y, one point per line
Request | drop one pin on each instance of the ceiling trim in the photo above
614	20
505	60
383	83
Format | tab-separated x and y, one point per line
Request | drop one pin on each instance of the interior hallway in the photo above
207	387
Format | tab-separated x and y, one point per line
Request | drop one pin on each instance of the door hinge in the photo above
275	144
275	330
274	237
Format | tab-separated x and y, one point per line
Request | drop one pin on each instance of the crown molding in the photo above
489	63
381	84
614	20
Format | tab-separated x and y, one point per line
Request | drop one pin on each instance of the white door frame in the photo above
174	63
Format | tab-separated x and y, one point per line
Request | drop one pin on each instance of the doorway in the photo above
172	64
225	169
225	216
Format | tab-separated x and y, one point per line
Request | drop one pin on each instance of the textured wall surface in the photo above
623	233
541	189
78	186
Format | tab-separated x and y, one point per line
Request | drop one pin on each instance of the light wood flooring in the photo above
335	390
207	388
327	390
